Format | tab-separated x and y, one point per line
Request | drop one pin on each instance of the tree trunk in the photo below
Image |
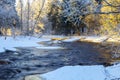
21	14
28	4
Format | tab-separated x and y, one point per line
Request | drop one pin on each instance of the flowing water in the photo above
27	61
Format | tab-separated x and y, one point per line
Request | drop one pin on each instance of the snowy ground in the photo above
80	73
20	41
11	43
96	39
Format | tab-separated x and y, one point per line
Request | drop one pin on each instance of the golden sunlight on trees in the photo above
38	12
70	16
110	22
93	23
107	20
31	14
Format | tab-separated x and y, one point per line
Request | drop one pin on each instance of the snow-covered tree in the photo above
8	15
74	10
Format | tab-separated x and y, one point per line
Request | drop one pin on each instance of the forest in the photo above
66	17
42	39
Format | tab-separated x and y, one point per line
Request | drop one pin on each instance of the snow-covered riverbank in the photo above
97	72
10	43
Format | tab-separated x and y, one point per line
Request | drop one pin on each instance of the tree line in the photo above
68	17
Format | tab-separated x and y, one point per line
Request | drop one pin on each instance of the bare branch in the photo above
40	12
111	4
38	16
101	13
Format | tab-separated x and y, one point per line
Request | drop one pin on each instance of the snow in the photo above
72	39
76	73
21	41
114	39
8	13
10	43
1	49
50	47
95	72
114	72
53	36
95	38
63	38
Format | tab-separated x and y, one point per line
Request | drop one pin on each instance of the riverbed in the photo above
15	65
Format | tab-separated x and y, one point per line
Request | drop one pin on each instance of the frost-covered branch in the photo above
75	10
8	13
8	16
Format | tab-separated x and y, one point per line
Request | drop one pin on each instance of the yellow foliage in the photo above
41	26
93	23
9	32
35	8
109	22
105	23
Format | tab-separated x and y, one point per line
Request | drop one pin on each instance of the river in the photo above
27	61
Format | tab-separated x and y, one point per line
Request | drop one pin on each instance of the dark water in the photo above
27	61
